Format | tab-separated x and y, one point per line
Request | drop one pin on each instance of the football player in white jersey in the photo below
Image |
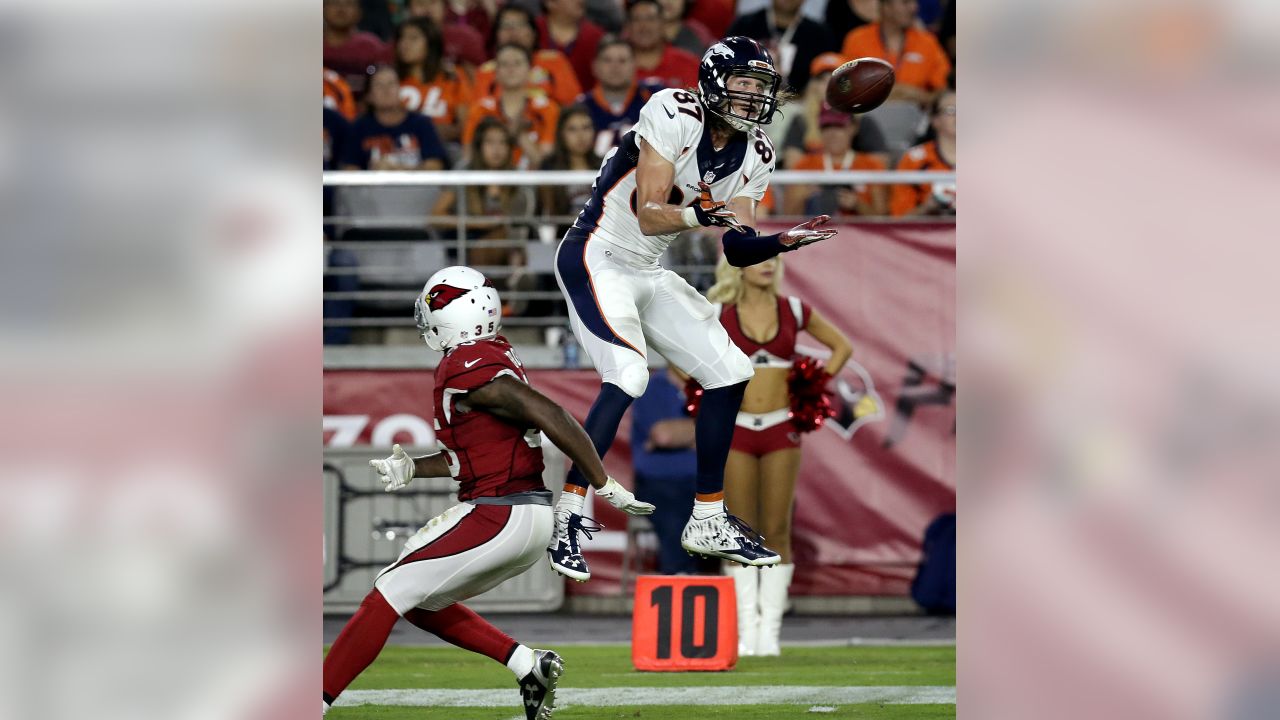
695	158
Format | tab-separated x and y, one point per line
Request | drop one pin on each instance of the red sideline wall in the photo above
869	483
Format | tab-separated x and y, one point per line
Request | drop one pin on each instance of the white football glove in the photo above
623	499
396	471
806	233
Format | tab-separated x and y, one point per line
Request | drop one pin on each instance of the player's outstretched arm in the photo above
520	404
397	470
745	247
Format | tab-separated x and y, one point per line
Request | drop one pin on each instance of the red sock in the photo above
358	644
459	625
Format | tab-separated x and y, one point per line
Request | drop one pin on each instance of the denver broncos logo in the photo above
719	50
441	295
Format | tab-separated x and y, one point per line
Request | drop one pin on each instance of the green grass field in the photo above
827	672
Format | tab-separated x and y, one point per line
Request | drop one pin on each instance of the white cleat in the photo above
728	538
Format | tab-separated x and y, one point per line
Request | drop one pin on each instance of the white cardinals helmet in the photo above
457	305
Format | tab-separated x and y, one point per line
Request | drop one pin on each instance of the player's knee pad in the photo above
633	378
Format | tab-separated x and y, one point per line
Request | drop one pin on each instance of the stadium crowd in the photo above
553	84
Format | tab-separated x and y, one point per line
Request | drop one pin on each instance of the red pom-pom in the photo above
810	401
692	397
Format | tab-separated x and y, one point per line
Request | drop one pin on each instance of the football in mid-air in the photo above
860	85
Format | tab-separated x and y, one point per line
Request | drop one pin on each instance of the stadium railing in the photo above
391	269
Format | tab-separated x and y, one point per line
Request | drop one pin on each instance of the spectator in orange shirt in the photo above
429	84
564	27
837	153
920	64
337	95
552	75
348	51
656	60
529	116
936	154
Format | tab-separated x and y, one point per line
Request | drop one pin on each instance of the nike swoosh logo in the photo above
469	364
669	113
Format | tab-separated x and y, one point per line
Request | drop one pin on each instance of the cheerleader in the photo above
760	475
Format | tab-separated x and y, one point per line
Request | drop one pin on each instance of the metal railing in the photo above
389	288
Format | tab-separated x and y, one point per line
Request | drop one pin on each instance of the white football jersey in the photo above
672	123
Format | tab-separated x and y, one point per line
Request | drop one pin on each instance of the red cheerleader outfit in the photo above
759	434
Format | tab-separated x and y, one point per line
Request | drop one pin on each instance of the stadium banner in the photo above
871	480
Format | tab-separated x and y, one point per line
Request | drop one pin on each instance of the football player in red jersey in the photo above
488	421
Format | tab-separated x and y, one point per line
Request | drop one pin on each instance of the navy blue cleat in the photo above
728	538
564	551
538	688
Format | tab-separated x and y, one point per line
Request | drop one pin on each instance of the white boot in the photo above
774	582
746	583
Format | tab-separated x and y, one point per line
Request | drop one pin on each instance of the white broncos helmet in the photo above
457	305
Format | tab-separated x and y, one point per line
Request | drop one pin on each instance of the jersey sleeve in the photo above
662	125
473	366
762	147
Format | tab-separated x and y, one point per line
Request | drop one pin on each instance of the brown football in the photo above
860	85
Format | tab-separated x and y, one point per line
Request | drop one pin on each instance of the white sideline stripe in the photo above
697	695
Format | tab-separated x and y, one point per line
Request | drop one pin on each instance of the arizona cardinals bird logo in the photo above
441	295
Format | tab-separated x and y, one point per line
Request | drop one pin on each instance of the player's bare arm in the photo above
654	178
743	246
744	208
520	404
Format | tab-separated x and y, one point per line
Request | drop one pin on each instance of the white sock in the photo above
521	662
325	711
704	510
570	502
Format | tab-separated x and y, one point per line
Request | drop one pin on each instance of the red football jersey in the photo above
488	456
